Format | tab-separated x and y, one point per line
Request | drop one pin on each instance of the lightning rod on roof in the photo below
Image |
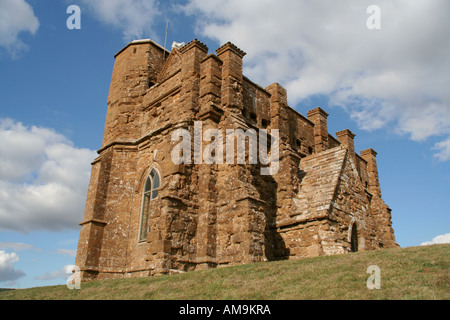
165	38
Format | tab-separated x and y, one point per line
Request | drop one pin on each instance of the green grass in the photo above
409	273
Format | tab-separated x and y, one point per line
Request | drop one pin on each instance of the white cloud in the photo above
397	76
444	150
43	179
17	246
7	271
16	16
67	252
134	17
444	238
63	273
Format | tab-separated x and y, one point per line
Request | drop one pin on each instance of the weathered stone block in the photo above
157	246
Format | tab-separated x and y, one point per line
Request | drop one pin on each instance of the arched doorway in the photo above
354	239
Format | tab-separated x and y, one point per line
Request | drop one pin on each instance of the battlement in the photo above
220	76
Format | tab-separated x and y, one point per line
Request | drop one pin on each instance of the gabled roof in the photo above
173	59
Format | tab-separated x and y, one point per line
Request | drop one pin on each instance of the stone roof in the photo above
232	47
320	175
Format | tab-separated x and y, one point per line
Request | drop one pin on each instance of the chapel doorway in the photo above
354	239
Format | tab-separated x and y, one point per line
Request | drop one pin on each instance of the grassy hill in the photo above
408	273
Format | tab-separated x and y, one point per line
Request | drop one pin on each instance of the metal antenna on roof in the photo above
165	38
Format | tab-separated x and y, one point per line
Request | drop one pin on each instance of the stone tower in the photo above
147	214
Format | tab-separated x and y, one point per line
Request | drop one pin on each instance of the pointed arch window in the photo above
151	187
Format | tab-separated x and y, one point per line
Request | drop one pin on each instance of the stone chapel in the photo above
146	215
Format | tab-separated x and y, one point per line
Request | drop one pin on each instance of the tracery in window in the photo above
152	184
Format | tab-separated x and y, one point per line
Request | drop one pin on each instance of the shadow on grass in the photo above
5	289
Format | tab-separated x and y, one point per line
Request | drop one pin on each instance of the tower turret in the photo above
136	69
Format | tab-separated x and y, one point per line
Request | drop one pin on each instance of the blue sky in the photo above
389	86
